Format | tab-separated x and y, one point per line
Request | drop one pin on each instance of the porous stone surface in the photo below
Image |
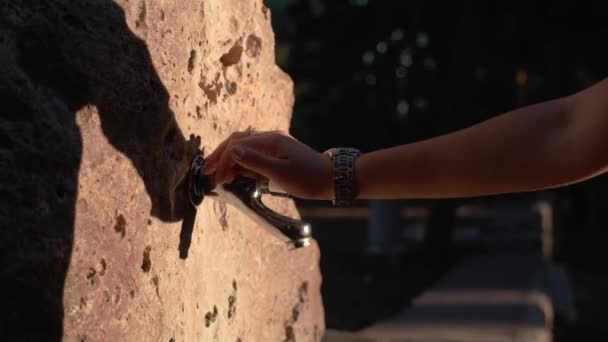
104	104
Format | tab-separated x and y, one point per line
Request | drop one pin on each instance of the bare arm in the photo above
536	147
540	146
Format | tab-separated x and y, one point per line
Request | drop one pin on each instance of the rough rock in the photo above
104	103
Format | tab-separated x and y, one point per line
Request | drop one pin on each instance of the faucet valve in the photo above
246	194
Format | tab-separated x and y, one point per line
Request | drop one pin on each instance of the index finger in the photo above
264	141
218	150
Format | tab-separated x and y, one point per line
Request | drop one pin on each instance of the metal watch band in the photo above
345	187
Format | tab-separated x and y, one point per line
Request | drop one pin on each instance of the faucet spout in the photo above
246	195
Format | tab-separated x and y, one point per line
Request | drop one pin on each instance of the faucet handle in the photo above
249	192
246	195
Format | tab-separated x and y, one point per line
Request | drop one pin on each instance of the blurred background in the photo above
372	74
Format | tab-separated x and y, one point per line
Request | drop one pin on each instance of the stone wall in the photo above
104	105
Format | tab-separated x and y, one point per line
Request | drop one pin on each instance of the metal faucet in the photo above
246	195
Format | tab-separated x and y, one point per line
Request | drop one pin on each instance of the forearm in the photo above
523	150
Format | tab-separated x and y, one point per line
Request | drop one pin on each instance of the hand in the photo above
288	163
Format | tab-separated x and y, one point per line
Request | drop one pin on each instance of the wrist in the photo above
360	176
328	192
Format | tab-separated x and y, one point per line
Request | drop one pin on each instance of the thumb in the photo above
257	162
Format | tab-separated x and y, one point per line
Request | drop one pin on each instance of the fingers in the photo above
211	160
221	160
257	162
263	144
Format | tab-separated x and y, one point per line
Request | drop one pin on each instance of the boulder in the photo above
104	104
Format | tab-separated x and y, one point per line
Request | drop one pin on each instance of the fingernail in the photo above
238	152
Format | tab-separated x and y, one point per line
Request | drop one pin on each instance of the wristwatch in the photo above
345	185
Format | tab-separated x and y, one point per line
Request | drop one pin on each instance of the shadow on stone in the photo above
55	58
185	235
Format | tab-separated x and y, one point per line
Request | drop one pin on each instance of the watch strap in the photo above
345	187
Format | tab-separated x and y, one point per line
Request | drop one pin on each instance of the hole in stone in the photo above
233	56
254	46
141	14
155	282
191	61
91	273
83	303
231	88
121	226
303	292
102	266
295	313
290	336
146	265
231	306
210	317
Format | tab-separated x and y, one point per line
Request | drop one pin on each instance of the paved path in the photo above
485	299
